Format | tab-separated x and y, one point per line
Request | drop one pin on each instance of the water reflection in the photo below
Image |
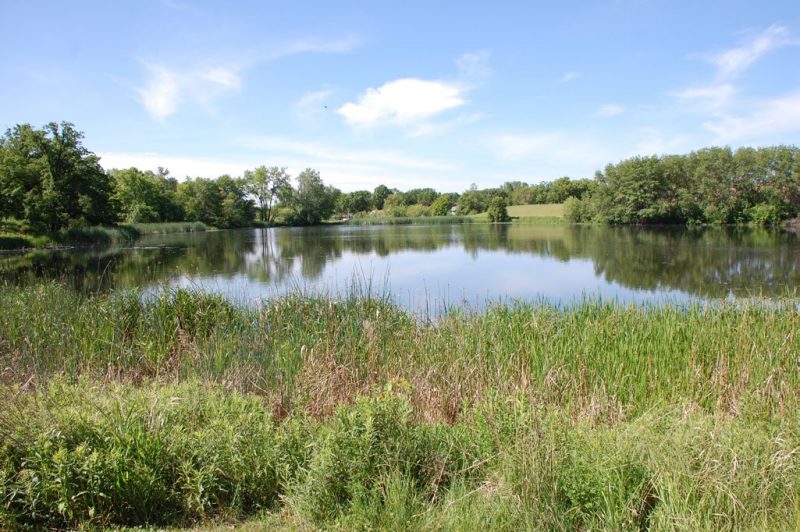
465	261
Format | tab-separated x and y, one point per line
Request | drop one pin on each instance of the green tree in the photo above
379	195
201	200
146	196
497	210
472	201
441	206
353	202
51	180
312	202
267	185
236	209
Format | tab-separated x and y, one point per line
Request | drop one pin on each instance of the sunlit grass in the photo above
180	408
554	210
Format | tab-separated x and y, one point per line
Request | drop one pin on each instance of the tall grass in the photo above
10	241
593	357
168	227
89	455
175	408
98	235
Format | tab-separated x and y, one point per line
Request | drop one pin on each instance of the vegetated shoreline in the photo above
182	408
95	236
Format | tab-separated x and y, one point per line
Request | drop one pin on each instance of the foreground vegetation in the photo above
176	408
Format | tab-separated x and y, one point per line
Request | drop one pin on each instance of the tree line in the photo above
709	186
49	181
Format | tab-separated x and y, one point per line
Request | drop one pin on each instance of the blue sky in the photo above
408	94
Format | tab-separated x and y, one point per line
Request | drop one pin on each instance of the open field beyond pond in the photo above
536	211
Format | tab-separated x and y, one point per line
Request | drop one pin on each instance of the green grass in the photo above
168	227
108	455
95	235
616	360
183	409
9	241
550	210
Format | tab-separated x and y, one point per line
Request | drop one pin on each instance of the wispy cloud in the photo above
768	118
652	141
161	94
713	97
316	152
167	89
733	61
312	103
474	65
431	129
715	100
569	76
179	166
402	101
610	109
554	147
311	46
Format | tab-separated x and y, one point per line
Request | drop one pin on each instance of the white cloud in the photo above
304	46
654	142
403	102
554	147
569	76
733	61
713	96
769	118
162	93
431	129
179	166
610	109
319	152
340	166
474	65
312	103
166	90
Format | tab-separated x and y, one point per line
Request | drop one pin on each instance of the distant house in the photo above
453	210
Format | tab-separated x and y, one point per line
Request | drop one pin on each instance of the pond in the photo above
430	268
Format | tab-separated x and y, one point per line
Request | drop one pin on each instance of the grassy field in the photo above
410	220
183	409
536	211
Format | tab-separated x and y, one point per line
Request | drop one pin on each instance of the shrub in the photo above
497	210
764	214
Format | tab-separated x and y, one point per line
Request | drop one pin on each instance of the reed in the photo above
179	408
168	227
321	351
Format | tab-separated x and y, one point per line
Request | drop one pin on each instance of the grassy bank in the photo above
96	235
179	408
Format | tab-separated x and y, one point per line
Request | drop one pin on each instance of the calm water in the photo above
428	268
